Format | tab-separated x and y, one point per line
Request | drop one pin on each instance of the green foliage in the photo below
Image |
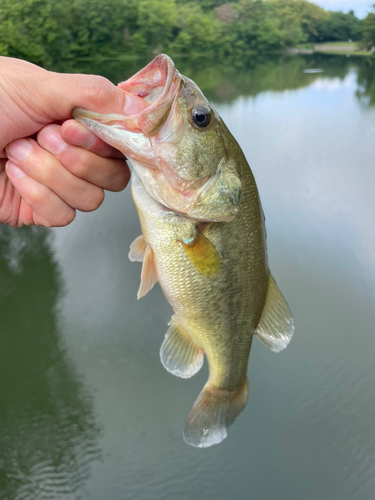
369	29
30	29
339	26
97	27
48	32
302	17
290	21
198	31
207	4
156	21
256	27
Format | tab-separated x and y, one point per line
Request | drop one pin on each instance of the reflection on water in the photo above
366	82
68	307
48	436
225	82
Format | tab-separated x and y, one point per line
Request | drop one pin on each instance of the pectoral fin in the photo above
138	249
178	353
202	254
275	327
148	274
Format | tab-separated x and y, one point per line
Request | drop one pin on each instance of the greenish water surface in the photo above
86	409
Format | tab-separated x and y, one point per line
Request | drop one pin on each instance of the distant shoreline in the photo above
334	48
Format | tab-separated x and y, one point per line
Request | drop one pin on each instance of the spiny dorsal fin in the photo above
202	254
178	353
275	327
138	249
148	274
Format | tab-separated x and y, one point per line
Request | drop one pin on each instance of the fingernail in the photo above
52	142
19	149
14	170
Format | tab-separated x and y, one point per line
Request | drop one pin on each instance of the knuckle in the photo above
82	167
61	219
40	165
98	89
36	197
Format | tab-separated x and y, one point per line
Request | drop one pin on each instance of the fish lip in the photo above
79	113
141	85
166	68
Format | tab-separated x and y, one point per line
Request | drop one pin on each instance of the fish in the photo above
203	238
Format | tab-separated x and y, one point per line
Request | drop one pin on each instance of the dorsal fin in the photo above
275	328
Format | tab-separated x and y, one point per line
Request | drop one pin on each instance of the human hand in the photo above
67	167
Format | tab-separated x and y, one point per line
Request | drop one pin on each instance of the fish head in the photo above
174	140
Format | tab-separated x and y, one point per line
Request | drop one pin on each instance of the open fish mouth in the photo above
149	97
157	85
148	131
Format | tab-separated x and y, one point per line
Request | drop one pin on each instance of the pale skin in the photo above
50	165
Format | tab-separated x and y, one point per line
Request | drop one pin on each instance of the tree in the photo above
339	27
30	29
157	20
199	31
369	29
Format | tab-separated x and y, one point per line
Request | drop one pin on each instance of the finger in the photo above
88	91
76	134
61	92
48	208
46	169
108	173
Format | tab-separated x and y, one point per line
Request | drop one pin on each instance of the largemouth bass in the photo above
203	238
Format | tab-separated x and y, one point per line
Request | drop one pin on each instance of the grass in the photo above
338	48
305	46
341	53
339	44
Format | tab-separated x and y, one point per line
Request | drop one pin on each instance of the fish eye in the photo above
201	116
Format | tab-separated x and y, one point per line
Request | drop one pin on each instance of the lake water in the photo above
86	409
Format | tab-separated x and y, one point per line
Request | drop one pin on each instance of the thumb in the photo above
32	97
91	92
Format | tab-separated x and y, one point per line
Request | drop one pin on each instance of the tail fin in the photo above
213	412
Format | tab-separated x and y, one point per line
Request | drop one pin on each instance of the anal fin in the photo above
179	354
148	274
275	328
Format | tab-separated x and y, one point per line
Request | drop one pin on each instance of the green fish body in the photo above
203	238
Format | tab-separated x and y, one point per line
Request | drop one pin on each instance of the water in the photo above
87	410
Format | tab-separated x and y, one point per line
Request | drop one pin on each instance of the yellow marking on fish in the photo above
202	254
